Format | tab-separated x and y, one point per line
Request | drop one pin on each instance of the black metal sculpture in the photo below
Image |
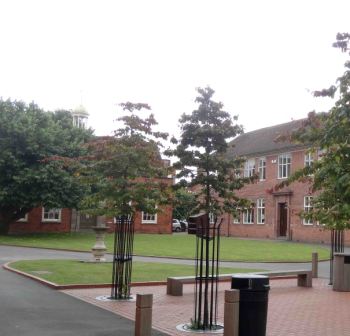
122	258
337	246
207	271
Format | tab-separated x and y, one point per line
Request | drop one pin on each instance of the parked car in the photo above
184	225
176	225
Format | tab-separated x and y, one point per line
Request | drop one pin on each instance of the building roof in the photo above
263	141
80	111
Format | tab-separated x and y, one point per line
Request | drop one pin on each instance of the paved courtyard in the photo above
293	311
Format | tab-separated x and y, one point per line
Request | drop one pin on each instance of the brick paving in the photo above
293	311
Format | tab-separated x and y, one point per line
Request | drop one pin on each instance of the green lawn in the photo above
63	272
179	245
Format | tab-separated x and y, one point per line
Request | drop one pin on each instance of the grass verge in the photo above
64	272
179	246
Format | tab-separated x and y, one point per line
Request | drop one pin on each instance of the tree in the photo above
184	203
126	174
126	171
329	133
204	165
29	137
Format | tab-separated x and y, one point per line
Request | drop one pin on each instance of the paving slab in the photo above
293	311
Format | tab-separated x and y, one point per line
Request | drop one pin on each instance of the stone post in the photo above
314	265
231	312
143	320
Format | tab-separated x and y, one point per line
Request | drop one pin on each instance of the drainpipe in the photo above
289	221
228	225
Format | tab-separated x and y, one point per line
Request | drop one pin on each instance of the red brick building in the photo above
70	220
44	220
41	220
276	214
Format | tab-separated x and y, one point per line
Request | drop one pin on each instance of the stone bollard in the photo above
314	267
143	320
231	312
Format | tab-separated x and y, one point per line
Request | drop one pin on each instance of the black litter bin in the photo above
254	291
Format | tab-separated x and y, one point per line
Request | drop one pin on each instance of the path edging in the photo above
75	286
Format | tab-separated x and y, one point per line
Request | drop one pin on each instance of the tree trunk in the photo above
9	215
4	228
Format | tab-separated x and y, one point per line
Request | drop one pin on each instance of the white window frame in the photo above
147	218
236	219
115	218
320	154
308	159
23	219
262	169
211	218
307	208
249	168
260	211
284	165
51	212
248	216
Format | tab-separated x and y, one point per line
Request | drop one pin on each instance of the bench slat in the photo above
175	284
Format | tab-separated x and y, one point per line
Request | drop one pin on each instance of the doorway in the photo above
282	219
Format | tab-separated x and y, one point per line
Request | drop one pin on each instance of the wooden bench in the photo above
175	284
304	276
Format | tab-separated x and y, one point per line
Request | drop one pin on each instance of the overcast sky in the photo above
261	57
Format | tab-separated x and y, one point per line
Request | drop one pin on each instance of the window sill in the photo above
51	221
146	222
248	223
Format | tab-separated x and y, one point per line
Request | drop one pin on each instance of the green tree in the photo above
126	171
204	165
329	133
30	139
184	203
126	174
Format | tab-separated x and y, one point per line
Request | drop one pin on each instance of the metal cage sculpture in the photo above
206	270
337	246
122	257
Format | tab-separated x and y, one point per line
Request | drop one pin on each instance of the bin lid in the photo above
250	281
342	254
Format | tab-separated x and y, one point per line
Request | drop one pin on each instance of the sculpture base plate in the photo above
132	298
186	327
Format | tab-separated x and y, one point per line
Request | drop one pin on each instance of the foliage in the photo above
329	134
125	170
203	164
29	136
184	203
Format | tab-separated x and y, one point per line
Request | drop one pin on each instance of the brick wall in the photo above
162	225
292	196
35	223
